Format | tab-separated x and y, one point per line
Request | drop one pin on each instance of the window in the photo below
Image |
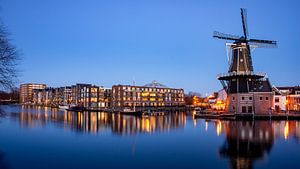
233	108
267	98
243	98
276	100
243	109
250	98
233	98
260	98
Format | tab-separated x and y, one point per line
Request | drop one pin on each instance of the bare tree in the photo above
9	57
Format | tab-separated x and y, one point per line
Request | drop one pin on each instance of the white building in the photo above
279	103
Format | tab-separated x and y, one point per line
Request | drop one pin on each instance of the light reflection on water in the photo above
196	143
94	122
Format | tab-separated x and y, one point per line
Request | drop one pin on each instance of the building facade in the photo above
292	95
84	95
26	92
279	100
127	97
255	102
89	96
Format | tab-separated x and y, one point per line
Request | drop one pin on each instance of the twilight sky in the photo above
108	42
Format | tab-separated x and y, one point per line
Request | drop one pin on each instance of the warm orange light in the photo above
286	130
219	128
286	102
219	105
219	102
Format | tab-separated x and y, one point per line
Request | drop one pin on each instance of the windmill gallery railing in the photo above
246	73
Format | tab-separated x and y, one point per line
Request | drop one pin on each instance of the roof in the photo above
261	85
291	89
155	84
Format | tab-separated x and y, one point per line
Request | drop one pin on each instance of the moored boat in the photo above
64	107
76	108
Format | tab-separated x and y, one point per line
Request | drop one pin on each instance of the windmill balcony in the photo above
250	74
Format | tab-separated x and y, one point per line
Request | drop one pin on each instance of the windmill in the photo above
247	91
239	58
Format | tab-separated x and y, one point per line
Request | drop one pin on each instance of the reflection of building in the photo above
126	125
287	129
150	95
99	121
247	141
26	91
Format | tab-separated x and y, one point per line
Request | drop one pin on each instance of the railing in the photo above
247	73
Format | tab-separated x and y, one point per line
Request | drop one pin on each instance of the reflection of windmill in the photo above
241	77
247	142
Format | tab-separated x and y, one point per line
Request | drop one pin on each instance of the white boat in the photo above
64	107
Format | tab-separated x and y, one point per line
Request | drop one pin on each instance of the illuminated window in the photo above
152	94
145	94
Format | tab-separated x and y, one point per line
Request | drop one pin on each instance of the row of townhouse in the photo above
86	95
120	97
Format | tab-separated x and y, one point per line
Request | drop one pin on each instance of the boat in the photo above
76	108
63	106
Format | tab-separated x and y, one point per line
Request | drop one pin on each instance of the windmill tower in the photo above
248	92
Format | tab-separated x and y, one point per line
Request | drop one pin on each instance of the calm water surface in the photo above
50	138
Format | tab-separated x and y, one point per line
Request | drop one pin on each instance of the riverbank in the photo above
249	116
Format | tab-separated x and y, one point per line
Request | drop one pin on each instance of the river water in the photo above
44	138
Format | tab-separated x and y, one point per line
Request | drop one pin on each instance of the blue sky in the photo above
117	41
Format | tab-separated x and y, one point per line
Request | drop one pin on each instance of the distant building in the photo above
89	96
107	97
86	95
52	96
26	91
127	97
218	100
41	96
279	100
292	95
